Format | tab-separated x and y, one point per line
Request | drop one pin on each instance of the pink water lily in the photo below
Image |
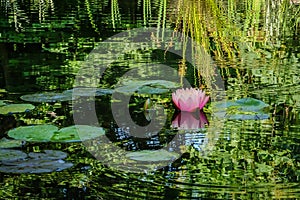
189	99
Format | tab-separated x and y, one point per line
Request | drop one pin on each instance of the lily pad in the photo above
244	109
147	87
37	133
152	156
49	155
86	92
151	90
6	143
36	166
2	103
77	133
16	108
48	97
10	155
43	162
256	116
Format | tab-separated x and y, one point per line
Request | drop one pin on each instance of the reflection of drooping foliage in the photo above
220	27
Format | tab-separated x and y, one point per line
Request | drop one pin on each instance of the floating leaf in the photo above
43	162
253	116
6	143
49	155
37	133
250	104
48	97
2	103
10	155
151	90
147	87
77	133
244	109
152	156
15	108
36	166
86	92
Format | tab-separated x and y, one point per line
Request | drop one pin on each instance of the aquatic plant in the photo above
189	99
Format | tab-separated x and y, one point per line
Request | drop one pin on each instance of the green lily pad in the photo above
151	90
2	103
49	155
256	116
15	108
77	133
11	155
43	162
147	87
37	133
250	104
86	92
48	97
36	166
244	109
152	156
6	143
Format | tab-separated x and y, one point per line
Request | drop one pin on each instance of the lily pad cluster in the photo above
51	133
244	109
14	108
16	161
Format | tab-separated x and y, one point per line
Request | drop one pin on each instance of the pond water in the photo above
247	148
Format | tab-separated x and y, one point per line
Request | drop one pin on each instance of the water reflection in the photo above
188	120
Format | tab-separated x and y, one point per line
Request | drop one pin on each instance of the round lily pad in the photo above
86	92
35	166
37	133
47	161
244	109
152	90
250	104
10	155
6	143
77	133
152	156
147	87
15	108
48	97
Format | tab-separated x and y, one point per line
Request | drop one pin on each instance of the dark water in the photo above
43	44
